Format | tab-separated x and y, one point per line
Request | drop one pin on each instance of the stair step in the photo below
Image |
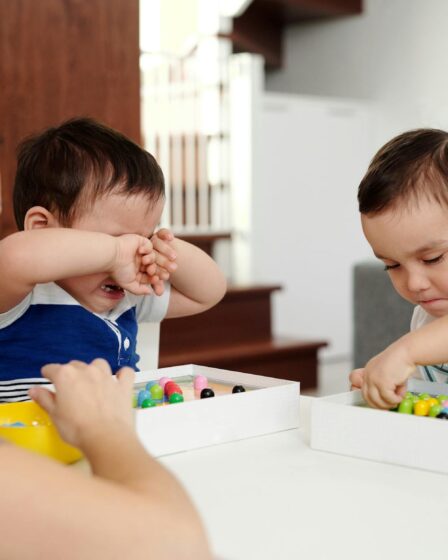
242	316
281	358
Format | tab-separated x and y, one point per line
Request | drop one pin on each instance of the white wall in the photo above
395	54
306	235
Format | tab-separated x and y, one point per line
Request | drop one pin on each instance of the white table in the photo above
274	498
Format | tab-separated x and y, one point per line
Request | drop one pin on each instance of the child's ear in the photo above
39	217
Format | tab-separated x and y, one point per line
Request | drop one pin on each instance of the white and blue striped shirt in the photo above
436	373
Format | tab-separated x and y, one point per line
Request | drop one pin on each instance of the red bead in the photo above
171	388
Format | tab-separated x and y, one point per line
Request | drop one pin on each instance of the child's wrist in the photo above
404	347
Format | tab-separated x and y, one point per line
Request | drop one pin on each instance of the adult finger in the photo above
126	377
49	371
44	398
102	365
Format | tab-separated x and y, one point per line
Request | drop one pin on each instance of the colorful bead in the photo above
148	403
406	406
176	398
171	388
163	381
150	384
421	408
156	392
200	382
435	410
142	395
238	389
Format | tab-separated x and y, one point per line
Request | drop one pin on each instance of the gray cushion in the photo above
380	314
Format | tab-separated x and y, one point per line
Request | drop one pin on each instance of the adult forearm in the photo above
134	469
99	519
39	256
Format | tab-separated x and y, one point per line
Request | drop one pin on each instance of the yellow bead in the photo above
421	408
432	401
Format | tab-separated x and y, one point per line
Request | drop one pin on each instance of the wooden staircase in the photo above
236	334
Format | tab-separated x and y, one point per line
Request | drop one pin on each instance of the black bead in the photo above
442	415
207	393
238	389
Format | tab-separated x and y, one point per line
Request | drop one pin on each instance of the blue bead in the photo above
150	384
142	395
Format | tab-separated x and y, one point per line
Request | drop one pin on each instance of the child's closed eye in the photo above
434	260
390	266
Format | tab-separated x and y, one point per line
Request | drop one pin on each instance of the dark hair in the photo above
67	167
410	165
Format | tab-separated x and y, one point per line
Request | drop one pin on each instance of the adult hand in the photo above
88	401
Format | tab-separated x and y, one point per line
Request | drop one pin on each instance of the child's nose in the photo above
417	281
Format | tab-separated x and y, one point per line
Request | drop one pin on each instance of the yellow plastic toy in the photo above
37	434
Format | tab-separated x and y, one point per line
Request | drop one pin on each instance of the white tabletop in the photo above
273	497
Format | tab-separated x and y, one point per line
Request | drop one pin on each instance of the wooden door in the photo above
60	59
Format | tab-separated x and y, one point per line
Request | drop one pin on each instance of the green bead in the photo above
424	396
415	399
442	398
148	403
134	401
175	398
408	395
156	392
435	410
406	406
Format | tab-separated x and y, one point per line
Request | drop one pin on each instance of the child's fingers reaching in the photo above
380	398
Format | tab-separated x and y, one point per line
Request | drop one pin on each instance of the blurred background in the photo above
264	115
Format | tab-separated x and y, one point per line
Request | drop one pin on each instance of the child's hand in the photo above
384	376
165	257
356	379
88	401
134	263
